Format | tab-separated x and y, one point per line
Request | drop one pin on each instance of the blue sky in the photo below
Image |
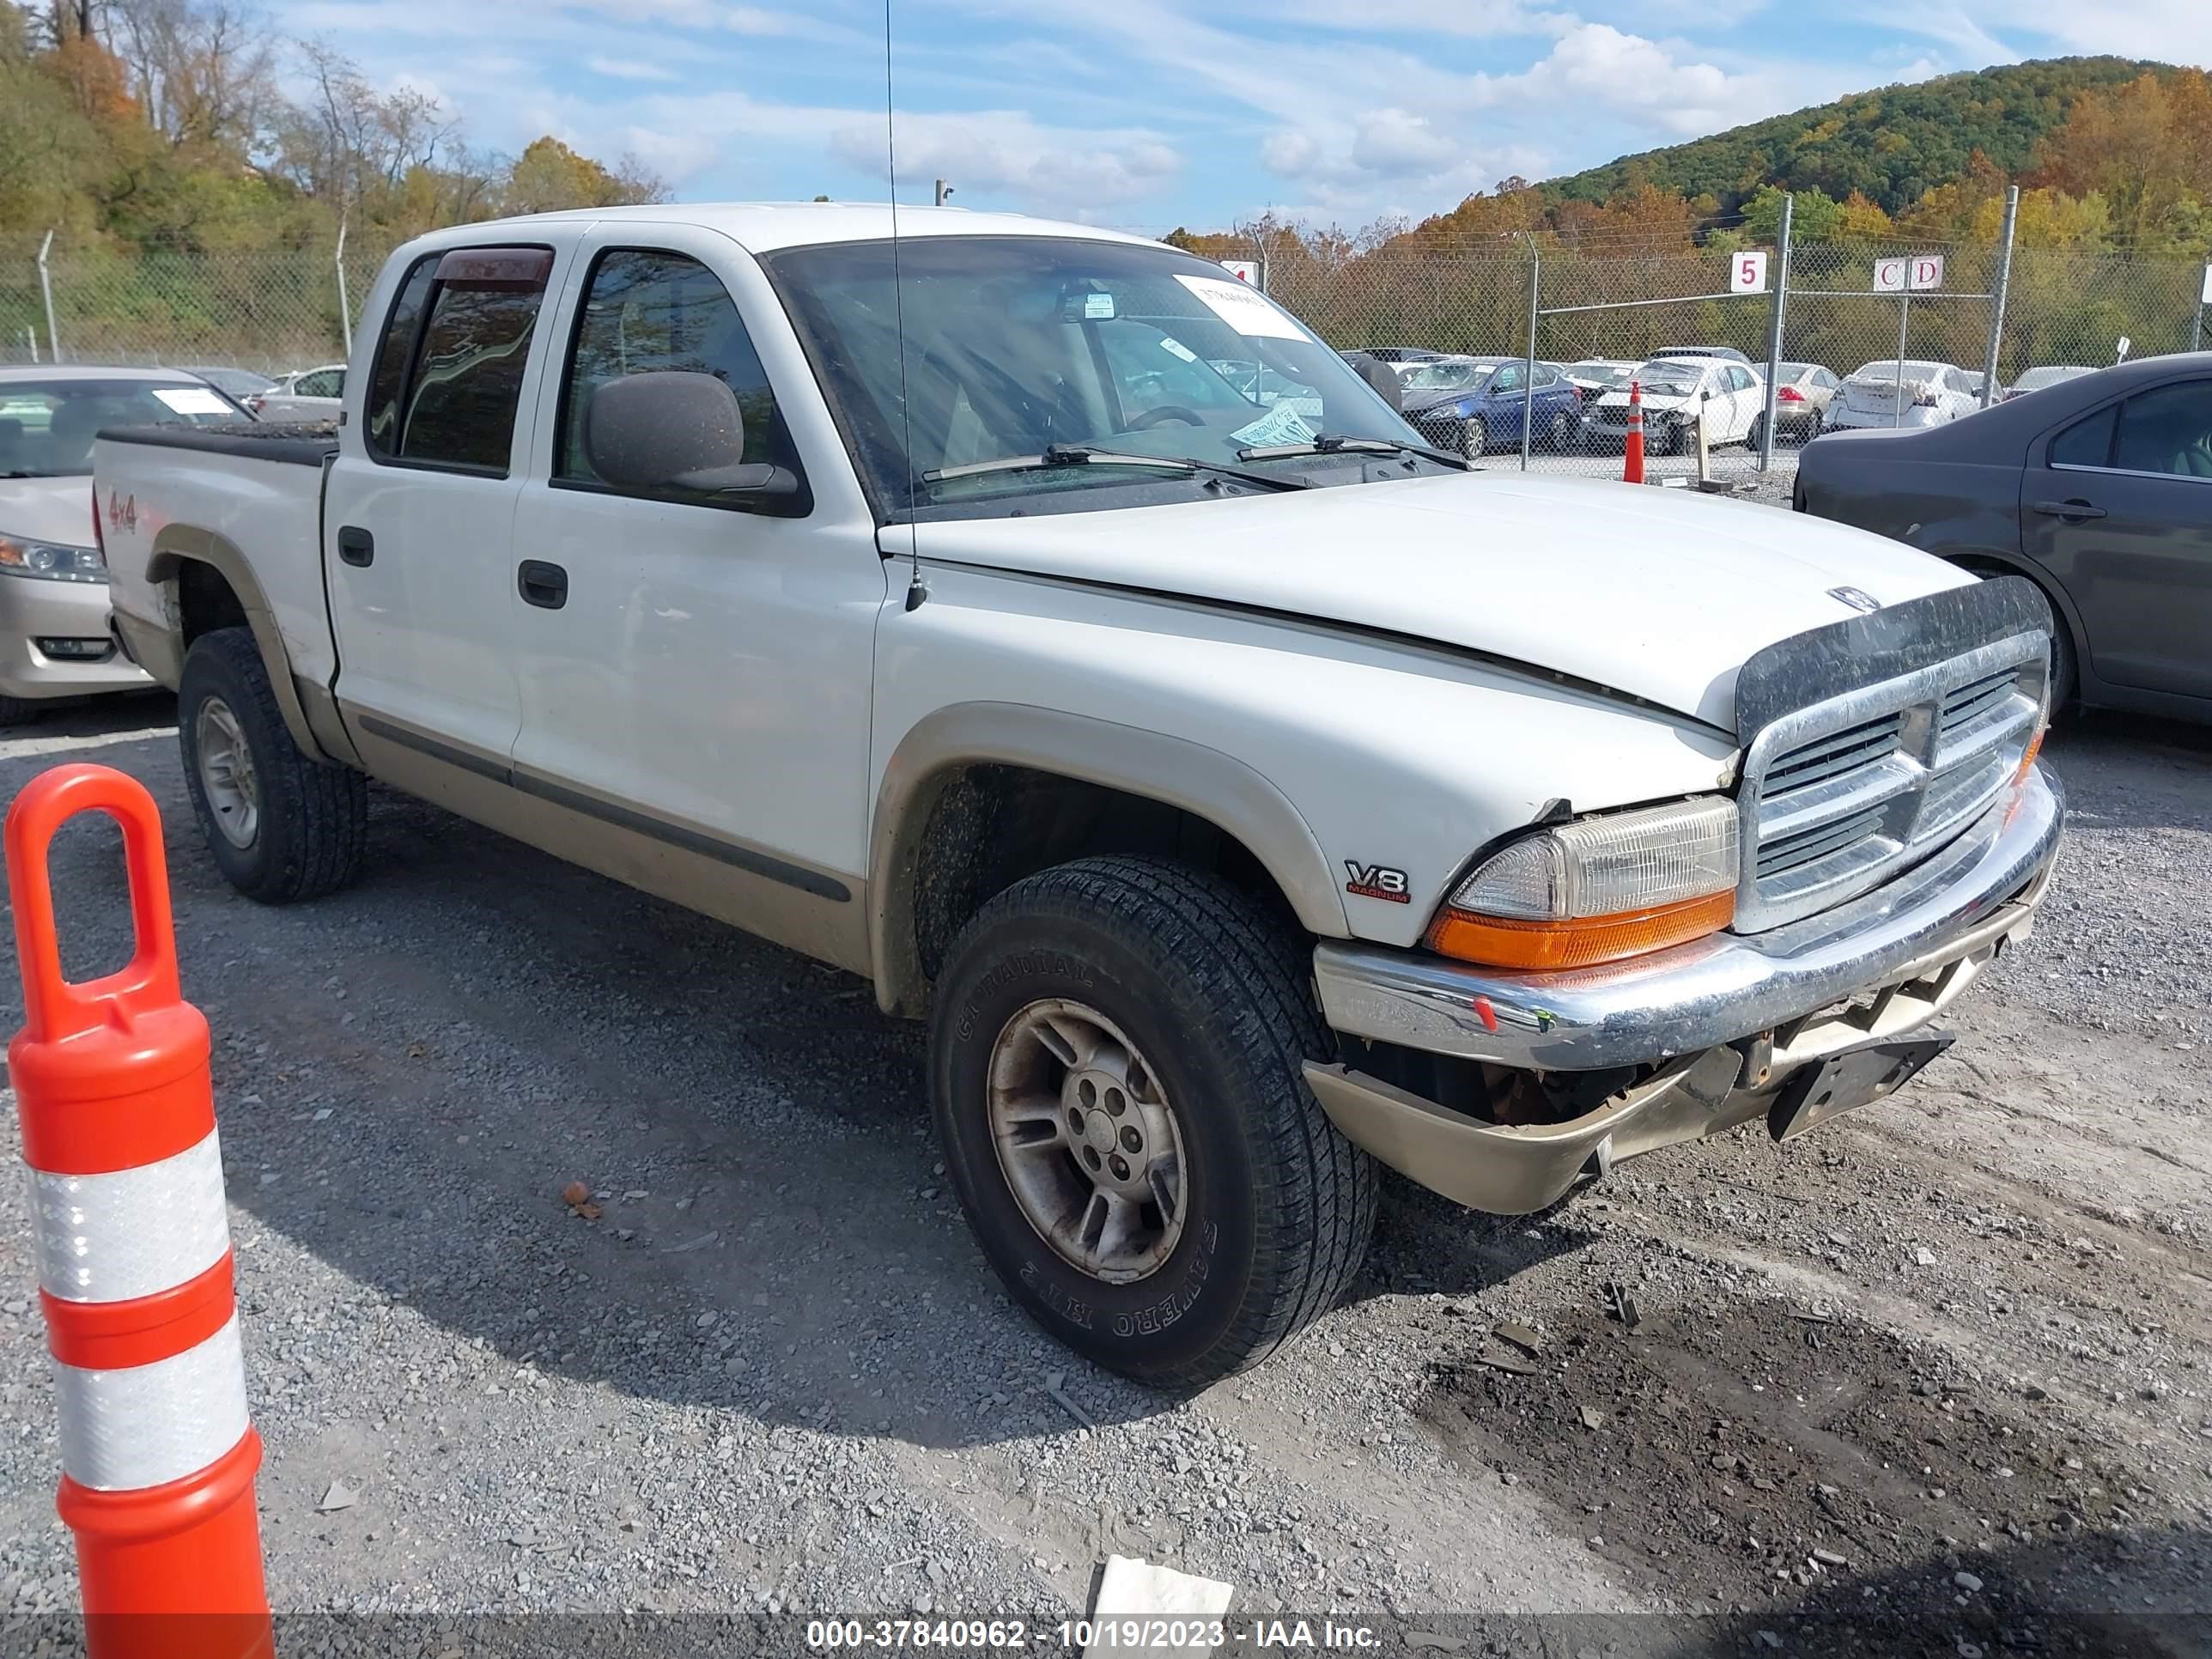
1149	113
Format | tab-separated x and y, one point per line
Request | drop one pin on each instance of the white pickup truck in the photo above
1245	793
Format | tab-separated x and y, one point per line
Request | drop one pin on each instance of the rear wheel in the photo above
1754	439
281	826
1116	1076
1560	439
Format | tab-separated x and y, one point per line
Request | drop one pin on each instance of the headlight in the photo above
55	561
1614	886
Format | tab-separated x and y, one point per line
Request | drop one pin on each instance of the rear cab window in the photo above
446	377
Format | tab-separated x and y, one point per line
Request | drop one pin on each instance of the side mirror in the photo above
675	429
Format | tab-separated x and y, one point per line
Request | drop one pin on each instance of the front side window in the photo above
323	383
1507	379
47	426
645	311
2168	430
1017	347
447	396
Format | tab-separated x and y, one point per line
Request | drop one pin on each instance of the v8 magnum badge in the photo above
1376	881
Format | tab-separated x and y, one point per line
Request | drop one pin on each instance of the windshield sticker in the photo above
192	400
1176	348
1250	313
1279	425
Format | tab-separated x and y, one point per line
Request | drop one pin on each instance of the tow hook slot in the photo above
1848	1079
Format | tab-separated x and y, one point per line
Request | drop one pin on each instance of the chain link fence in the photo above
1571	310
1849	316
271	310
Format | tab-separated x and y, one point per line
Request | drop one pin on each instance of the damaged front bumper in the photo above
1729	1023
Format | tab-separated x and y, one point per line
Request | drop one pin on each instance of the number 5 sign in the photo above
1747	274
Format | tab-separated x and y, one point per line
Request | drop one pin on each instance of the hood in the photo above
1427	399
1659	593
47	510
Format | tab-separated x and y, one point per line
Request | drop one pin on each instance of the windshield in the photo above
1447	377
46	426
1016	344
1599	374
1669	380
2043	377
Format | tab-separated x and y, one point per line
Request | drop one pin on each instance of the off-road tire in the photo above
19	711
1278	1206
313	818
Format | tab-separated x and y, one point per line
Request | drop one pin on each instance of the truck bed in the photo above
244	496
299	443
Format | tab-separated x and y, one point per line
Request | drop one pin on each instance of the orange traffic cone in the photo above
133	1251
1631	448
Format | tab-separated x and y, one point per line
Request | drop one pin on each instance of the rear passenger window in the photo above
2086	443
448	373
387	373
2168	430
647	310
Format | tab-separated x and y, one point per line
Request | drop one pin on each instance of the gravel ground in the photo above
1934	1381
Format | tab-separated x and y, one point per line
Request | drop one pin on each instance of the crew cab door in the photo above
2118	507
694	671
419	512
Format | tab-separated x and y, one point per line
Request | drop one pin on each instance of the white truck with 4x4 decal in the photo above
1243	792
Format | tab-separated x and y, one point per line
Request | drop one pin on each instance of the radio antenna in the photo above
915	592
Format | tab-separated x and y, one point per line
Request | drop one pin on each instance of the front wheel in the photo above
19	711
1474	438
281	825
1115	1071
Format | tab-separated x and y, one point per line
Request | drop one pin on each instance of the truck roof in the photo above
760	226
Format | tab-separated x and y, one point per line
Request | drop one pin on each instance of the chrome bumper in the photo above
1715	990
1869	971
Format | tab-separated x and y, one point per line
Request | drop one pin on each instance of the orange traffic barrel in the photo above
1631	448
117	1108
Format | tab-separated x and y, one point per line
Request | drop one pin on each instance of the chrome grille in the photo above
1840	796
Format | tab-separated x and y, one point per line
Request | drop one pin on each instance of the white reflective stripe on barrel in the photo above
132	1232
122	1431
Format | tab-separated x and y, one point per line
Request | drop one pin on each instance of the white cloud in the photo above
1005	152
629	69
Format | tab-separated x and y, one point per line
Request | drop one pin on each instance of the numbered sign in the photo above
1244	270
1747	273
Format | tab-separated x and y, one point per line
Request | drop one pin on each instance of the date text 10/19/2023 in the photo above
1087	1635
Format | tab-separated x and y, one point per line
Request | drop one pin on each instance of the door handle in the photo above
546	586
2073	511
356	545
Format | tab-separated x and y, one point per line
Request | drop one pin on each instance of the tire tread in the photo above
1244	963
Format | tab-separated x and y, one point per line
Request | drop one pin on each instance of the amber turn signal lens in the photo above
2027	760
1581	942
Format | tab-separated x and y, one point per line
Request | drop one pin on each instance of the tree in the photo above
548	176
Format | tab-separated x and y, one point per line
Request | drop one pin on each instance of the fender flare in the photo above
178	544
1232	796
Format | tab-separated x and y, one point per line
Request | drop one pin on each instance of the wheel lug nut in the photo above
1131	1140
1120	1169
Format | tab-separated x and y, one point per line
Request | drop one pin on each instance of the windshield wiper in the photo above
1061	455
1335	443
